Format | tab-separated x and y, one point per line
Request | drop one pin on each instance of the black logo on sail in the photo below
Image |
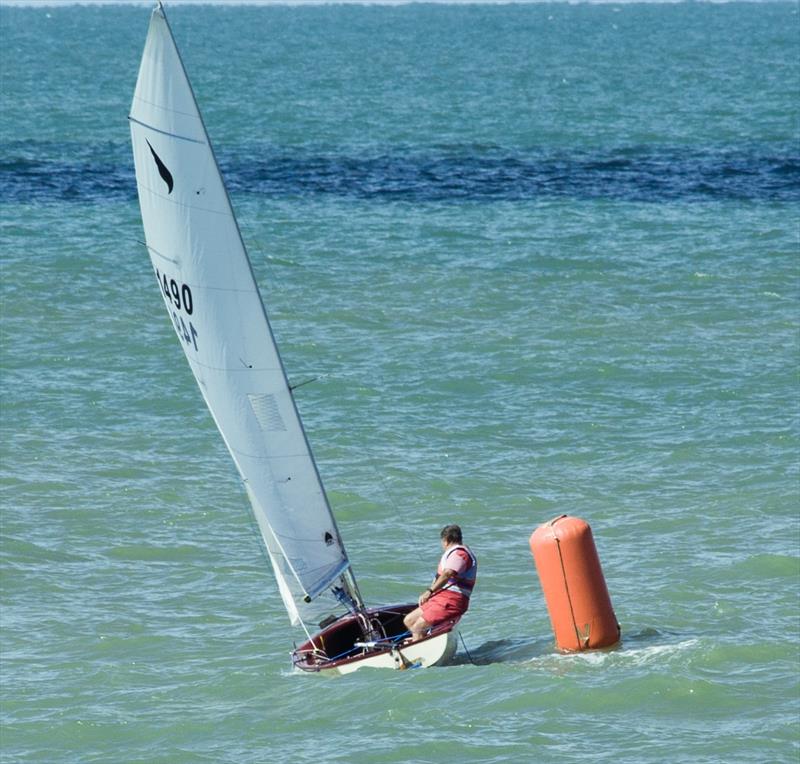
165	174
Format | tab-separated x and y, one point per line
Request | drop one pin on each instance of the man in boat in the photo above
447	598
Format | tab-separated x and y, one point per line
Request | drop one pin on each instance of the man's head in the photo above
451	534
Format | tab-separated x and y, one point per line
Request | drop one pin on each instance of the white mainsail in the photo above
211	296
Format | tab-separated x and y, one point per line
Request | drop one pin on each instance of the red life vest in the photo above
463	583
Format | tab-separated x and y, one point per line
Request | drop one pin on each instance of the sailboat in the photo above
210	292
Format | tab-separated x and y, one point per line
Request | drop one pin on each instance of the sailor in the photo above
447	598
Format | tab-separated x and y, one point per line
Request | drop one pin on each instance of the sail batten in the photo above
164	132
212	299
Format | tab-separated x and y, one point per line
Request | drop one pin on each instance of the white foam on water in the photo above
632	656
655	653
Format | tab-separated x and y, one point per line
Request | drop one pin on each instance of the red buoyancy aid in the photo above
463	583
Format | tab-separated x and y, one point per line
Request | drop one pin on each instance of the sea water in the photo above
540	259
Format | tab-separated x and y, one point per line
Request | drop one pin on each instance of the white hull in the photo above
434	651
342	648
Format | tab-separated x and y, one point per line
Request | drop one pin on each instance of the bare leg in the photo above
412	617
416	624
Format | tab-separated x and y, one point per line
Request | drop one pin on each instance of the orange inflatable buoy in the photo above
574	588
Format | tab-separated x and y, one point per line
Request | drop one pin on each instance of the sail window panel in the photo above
255	446
265	407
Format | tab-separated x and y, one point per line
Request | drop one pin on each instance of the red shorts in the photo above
444	606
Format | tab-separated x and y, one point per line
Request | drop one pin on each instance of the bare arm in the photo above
437	585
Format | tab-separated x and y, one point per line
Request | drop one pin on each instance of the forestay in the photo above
212	298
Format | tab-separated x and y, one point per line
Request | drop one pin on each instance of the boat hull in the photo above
342	648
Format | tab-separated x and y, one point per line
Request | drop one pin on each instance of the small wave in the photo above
770	565
20	553
146	553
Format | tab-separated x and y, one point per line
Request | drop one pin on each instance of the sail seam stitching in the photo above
144	186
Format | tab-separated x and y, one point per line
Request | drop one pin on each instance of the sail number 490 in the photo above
179	298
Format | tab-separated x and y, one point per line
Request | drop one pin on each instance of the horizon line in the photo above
311	3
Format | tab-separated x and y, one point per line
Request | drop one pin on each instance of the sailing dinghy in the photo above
210	293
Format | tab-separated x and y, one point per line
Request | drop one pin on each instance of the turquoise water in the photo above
543	260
